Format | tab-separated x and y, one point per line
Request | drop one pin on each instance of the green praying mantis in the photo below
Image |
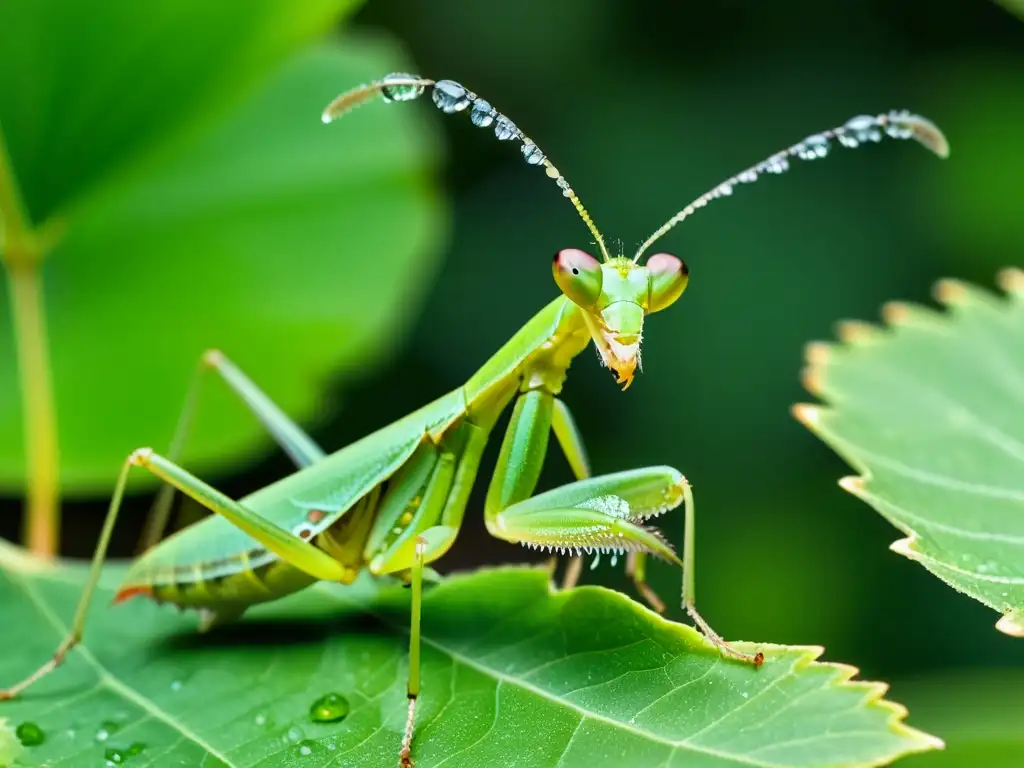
393	502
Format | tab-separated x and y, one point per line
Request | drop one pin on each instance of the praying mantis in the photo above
393	502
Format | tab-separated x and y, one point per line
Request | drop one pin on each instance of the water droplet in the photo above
615	559
332	746
748	176
532	153
294	735
114	756
176	685
329	708
450	97
482	114
136	748
813	147
724	189
306	748
107	729
776	164
402	92
260	719
30	734
857	130
504	128
746	695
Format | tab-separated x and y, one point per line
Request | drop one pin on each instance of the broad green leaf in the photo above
87	87
300	250
979	714
583	678
929	412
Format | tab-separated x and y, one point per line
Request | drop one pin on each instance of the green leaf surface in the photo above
512	674
929	412
300	250
85	88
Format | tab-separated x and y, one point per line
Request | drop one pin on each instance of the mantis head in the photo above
616	296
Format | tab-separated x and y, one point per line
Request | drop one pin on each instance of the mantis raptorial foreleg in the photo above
299	446
571	441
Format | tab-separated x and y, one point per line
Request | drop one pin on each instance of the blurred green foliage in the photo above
643	106
203	204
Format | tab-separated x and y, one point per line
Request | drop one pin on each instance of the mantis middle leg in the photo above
299	446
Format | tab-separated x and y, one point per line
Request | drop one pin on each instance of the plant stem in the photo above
22	256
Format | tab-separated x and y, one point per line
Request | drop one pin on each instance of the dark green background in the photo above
644	105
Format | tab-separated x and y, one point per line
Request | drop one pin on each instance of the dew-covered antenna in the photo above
451	97
854	132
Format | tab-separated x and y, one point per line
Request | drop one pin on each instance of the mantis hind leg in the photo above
284	544
299	446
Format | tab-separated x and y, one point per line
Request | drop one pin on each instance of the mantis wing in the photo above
330	486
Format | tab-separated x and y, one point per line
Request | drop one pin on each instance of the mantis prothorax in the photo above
393	501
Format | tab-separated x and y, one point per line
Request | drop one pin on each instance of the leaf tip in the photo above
852	484
950	292
1012	624
856	331
816	352
1011	280
807	414
905	547
896	312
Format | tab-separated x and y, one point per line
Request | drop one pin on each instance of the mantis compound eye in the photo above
578	275
667	279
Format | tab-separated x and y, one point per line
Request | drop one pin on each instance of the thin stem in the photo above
42	512
22	256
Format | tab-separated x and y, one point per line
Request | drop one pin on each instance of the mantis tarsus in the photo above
393	501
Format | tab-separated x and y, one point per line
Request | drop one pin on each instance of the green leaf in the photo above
580	678
204	206
929	413
85	88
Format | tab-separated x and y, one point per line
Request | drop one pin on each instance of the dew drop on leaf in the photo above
294	735
107	728
30	734
114	756
329	708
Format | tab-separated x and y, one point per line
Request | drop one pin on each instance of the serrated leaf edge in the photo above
949	292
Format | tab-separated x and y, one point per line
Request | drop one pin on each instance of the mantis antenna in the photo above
854	132
451	97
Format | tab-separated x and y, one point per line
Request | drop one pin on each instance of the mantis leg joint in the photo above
140	457
213	358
